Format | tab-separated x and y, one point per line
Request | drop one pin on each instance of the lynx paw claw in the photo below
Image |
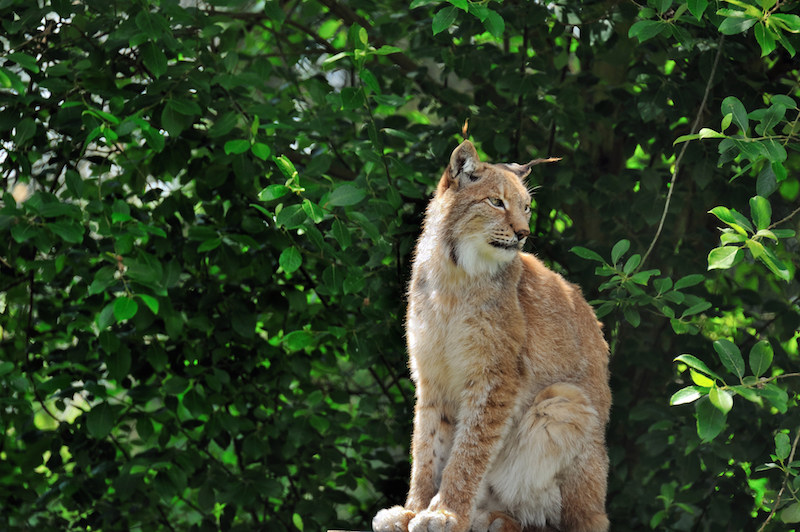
394	519
437	521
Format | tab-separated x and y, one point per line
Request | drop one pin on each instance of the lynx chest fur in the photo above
510	368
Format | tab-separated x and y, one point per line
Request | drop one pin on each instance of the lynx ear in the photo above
463	162
522	170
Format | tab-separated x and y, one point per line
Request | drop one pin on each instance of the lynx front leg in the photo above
430	449
431	443
484	418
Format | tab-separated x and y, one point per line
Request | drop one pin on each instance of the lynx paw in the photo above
394	519
438	521
495	522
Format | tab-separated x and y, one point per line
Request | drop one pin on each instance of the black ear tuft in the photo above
522	170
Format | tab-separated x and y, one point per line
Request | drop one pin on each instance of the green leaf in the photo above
69	232
370	81
273	192
689	394
11	80
297	521
297	340
354	282
730	356
352	98
697	308
697	8
185	107
760	211
100	420
646	29
701	380
444	19
695	363
333	277
765	38
733	106
619	249
724	257
24	60
791	514
787	21
776	395
150	301
495	24
223	125
774	115
689	280
173	121
286	167
632	316
345	195
153	59
24	130
261	150
748	393
721	399
726	122
733	218
313	211
291	217
783	446
274	11
209	245
237	146
388	50
710	420
587	254
6	367
734	25
643	277
632	263
341	233
125	308
775	265
290	260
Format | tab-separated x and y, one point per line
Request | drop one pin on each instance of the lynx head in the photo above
486	210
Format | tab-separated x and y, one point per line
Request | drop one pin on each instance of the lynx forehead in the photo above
510	368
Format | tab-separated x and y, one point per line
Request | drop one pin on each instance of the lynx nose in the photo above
522	233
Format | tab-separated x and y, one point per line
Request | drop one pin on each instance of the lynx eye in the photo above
527	209
496	202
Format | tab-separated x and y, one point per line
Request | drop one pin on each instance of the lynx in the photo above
510	368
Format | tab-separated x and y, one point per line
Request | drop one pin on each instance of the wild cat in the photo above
510	368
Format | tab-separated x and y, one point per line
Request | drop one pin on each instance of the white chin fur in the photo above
477	257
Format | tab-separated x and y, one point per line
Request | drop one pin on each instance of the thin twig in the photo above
683	150
785	219
783	485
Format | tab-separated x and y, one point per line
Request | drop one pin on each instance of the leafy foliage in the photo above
208	211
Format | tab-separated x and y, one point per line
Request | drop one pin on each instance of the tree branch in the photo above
683	150
783	485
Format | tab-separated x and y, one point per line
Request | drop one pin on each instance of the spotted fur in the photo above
510	367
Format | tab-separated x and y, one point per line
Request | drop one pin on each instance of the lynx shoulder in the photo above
510	368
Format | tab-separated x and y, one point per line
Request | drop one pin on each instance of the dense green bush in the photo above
208	210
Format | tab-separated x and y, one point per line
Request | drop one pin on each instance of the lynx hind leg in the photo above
572	424
583	492
550	439
394	519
